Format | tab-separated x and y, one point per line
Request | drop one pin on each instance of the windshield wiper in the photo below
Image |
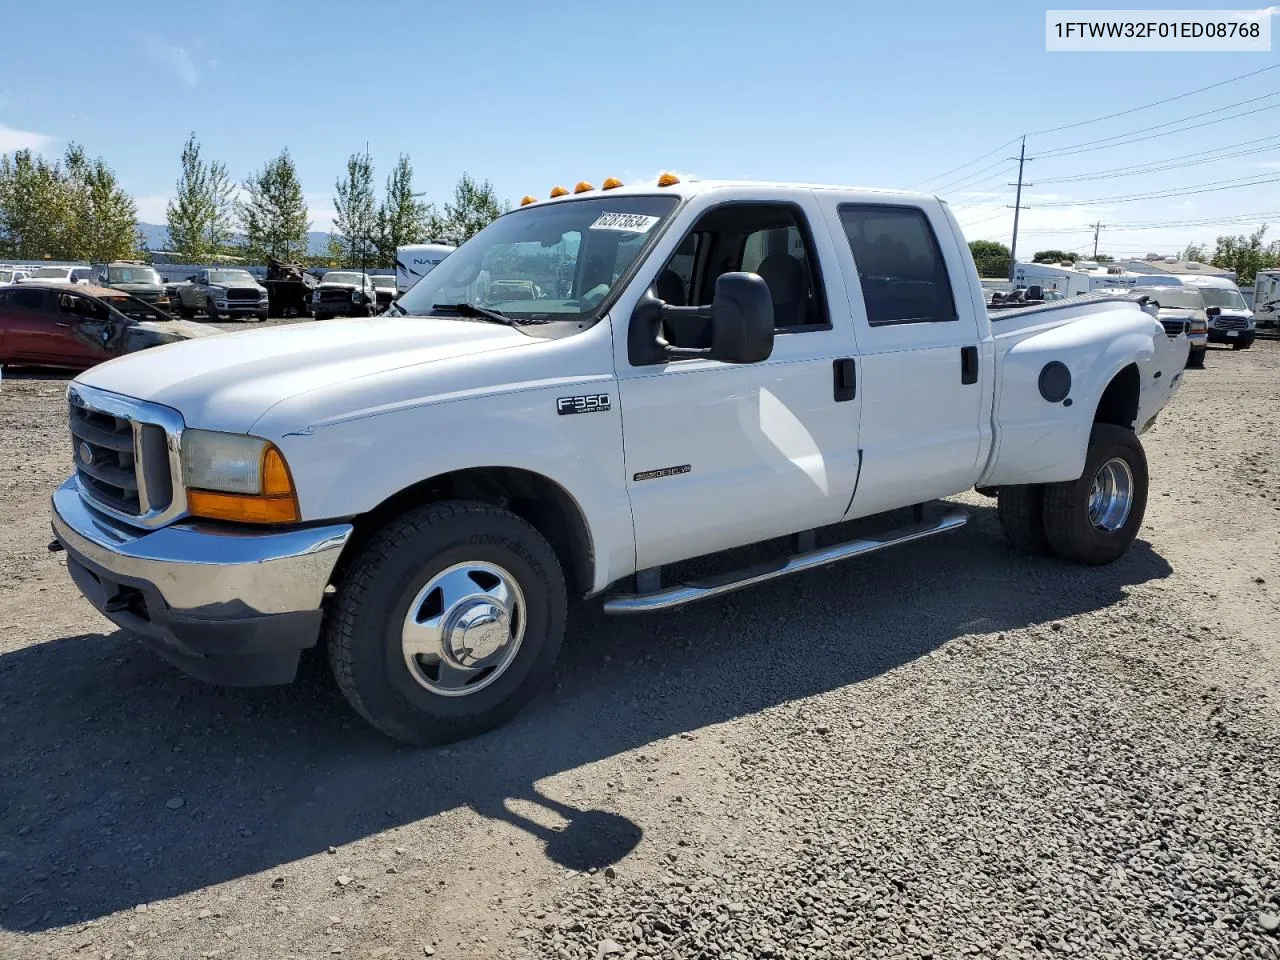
480	313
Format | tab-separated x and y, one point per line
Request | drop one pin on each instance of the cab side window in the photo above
904	278
768	239
26	299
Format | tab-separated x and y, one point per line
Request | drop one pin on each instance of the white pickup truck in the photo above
700	366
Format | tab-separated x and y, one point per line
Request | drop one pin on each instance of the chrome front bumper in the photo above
231	606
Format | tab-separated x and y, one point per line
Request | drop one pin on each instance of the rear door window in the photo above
26	299
904	278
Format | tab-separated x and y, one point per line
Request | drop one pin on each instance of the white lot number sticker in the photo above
627	222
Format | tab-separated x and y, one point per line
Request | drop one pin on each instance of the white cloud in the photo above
11	140
173	57
151	207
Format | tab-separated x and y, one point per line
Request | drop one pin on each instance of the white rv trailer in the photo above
415	261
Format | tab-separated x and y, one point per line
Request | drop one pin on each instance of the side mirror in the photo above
1035	292
1213	312
66	303
739	321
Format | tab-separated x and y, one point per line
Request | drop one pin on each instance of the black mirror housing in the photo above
1213	312
741	319
736	328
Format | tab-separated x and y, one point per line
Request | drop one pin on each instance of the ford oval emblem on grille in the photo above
85	453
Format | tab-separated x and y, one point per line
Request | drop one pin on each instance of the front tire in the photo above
1195	359
1021	513
1094	519
448	621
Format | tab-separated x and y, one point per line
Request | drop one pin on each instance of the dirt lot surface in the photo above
948	750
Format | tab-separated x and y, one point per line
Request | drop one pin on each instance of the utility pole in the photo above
1097	227
1017	208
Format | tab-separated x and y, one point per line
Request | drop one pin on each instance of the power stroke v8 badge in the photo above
592	403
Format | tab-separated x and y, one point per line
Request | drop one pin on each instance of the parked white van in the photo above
1234	322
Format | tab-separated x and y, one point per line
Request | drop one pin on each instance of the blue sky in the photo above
530	95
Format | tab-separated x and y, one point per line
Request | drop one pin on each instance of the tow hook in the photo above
55	546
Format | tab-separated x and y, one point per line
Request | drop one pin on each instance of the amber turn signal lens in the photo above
583	187
558	191
527	199
668	180
242	508
610	183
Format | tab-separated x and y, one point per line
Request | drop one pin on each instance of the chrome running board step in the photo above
683	593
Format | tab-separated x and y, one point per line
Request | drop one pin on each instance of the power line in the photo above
1159	166
1181	96
965	181
963	165
1092	145
1210	187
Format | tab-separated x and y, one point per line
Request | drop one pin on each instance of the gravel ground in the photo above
948	750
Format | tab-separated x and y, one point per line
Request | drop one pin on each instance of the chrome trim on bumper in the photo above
203	570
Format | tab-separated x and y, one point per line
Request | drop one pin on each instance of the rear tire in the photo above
428	581
1021	513
1093	520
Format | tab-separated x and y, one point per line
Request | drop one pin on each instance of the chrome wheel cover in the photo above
1111	496
463	629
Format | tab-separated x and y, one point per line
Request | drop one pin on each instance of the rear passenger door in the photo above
924	395
26	329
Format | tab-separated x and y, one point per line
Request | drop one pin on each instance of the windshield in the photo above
556	261
1173	298
6	276
132	275
381	281
231	276
50	273
1223	297
335	277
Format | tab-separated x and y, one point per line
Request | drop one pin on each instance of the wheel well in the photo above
1119	403
542	503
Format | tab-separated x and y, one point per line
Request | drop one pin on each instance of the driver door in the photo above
719	455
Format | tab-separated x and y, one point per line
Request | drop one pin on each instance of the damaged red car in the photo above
75	327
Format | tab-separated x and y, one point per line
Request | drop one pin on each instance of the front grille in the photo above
104	457
1175	327
125	460
335	296
243	293
386	296
1231	323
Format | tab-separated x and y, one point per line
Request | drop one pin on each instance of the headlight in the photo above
356	296
217	291
315	297
231	476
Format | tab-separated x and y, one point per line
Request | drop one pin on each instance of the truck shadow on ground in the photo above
99	736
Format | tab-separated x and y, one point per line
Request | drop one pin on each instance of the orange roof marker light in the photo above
668	180
583	187
558	191
610	183
527	199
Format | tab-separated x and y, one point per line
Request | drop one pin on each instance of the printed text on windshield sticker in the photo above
628	222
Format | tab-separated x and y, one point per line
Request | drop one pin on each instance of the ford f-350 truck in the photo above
704	365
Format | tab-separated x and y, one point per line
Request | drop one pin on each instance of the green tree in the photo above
104	219
357	220
1103	258
200	216
274	217
1246	254
991	258
1196	252
36	207
473	207
402	218
1055	256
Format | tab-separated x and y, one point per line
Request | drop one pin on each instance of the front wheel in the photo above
1195	359
1238	345
447	622
1094	519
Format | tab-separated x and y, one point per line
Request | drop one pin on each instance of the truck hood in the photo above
138	287
228	382
338	286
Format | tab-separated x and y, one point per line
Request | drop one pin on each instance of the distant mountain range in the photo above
156	234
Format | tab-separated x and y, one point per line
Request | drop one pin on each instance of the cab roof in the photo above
693	187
